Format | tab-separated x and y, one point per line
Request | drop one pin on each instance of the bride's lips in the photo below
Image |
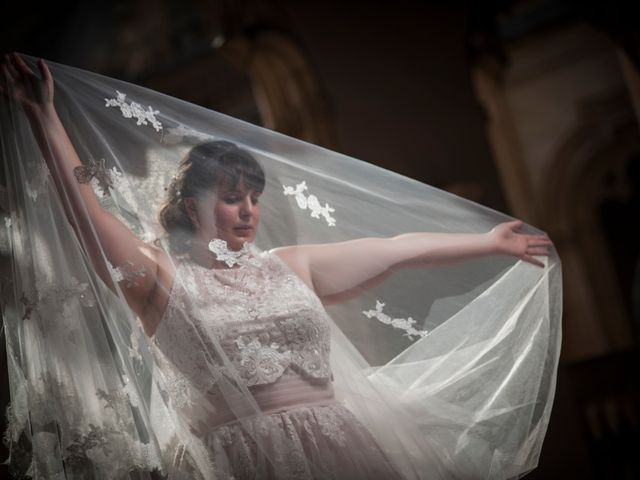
243	229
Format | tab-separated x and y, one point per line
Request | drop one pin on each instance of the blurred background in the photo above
528	107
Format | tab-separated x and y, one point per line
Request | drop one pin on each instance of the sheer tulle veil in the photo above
451	368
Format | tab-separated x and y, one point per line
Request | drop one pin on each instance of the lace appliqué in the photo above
175	135
37	183
112	450
57	298
291	436
7	222
178	390
96	174
110	445
120	400
115	400
134	349
331	426
311	202
261	364
135	110
75	289
127	273
221	250
265	321
262	356
402	323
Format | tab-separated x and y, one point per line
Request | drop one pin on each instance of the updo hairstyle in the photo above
206	167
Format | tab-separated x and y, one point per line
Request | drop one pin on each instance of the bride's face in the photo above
232	213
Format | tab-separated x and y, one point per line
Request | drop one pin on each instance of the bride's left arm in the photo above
339	271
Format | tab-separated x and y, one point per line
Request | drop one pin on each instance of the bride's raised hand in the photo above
19	82
509	241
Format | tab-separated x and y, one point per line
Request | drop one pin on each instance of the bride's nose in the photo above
246	207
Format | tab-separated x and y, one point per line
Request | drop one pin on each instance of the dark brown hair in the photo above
206	167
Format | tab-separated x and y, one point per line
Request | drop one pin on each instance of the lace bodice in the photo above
261	315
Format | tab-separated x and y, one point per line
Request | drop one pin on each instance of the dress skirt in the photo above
304	433
317	442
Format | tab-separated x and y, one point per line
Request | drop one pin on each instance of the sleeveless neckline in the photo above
185	261
262	318
254	254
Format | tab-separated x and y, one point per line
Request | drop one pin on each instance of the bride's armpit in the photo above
158	297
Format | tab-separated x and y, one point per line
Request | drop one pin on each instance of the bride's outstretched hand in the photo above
509	241
17	80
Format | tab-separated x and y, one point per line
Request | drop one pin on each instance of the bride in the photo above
242	335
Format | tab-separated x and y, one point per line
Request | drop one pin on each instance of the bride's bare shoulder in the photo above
296	259
292	255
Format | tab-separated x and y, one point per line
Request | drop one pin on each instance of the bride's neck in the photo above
204	257
200	254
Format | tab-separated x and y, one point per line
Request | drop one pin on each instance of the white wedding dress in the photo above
276	333
436	373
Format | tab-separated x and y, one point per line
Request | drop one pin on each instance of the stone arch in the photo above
604	140
287	92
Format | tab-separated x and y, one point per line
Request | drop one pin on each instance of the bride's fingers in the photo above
538	251
7	79
44	71
22	66
13	73
539	244
533	260
539	240
515	224
542	238
6	82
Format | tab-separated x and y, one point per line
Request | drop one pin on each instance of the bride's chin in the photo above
238	244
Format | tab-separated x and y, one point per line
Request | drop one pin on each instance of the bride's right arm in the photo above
100	233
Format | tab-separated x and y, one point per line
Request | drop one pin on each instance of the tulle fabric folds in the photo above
441	372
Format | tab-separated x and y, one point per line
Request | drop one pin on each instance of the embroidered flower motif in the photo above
331	426
126	272
262	363
223	254
75	289
147	237
311	202
175	135
115	273
109	447
178	390
115	176
113	179
37	183
135	110
97	175
134	349
115	400
131	393
59	296
260	318
404	324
